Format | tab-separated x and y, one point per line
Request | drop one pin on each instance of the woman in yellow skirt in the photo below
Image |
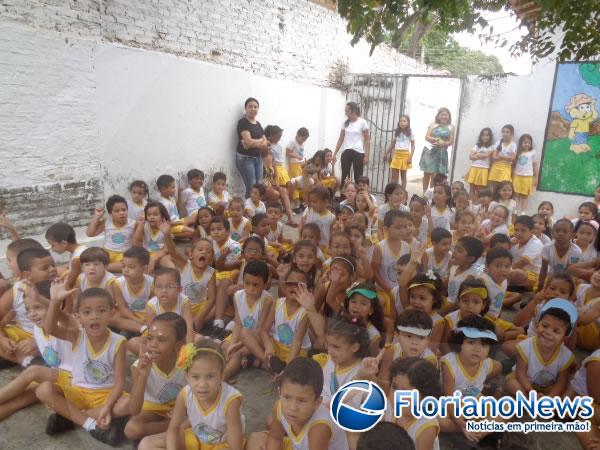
401	150
526	171
502	158
477	177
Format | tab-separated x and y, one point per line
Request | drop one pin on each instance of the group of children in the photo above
412	293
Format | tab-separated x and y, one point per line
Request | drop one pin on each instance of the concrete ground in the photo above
26	427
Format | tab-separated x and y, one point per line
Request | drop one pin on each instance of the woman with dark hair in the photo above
355	141
440	136
252	145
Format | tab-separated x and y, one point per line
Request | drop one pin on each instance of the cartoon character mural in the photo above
571	155
582	108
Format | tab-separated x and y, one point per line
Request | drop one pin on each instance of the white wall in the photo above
159	113
522	101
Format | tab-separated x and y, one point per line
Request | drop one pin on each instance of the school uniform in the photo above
455	280
441	219
401	155
135	301
523	174
57	354
532	252
154	240
439	267
284	329
118	239
501	170
195	288
427	354
235	252
236	233
162	389
156	307
335	377
468	385
253	209
588	336
193	200
20	328
557	264
324	221
478	172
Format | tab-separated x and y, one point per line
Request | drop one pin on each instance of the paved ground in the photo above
26	428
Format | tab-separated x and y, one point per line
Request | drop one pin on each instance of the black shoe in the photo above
5	364
58	424
109	437
216	332
276	364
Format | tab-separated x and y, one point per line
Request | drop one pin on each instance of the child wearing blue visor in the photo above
543	361
468	366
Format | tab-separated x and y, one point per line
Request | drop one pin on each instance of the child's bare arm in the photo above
57	323
186	313
235	430
9	227
97	223
178	416
298	337
521	373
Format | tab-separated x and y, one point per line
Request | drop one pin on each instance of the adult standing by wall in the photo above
252	145
355	143
440	136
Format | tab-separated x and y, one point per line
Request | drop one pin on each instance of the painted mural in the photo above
571	155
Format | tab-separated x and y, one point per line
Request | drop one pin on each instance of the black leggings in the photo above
352	158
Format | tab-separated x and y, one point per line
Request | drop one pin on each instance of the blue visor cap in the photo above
565	305
476	333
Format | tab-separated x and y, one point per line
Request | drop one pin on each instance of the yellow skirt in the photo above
224	274
282	351
478	176
15	333
295	170
162	409
84	398
282	176
177	228
500	323
197	308
329	182
401	160
114	257
523	185
64	378
386	303
500	171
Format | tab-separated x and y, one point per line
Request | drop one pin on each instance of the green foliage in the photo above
390	21
590	72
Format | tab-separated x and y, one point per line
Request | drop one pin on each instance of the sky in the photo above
506	25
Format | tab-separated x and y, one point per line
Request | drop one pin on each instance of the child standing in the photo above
282	178
139	192
61	237
300	420
210	406
561	252
503	156
525	171
543	362
192	197
401	150
319	214
99	368
295	157
504	196
118	230
480	162
218	197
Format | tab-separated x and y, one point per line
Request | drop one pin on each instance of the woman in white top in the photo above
355	141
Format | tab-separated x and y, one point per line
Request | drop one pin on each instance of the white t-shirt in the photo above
277	152
293	144
506	150
193	200
532	250
353	135
403	142
509	204
482	163
524	164
557	264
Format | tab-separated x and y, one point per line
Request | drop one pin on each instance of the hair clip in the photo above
431	275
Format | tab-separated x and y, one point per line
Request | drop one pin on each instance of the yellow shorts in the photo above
114	257
16	333
500	323
329	182
588	337
386	303
162	409
192	442
400	161
500	171
225	274
177	228
295	170
141	315
523	185
281	175
197	308
282	351
534	278
84	398
64	378
478	176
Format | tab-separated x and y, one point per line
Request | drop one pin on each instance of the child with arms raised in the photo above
98	368
300	420
118	230
210	407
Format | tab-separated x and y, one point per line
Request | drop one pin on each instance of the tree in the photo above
579	21
442	51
